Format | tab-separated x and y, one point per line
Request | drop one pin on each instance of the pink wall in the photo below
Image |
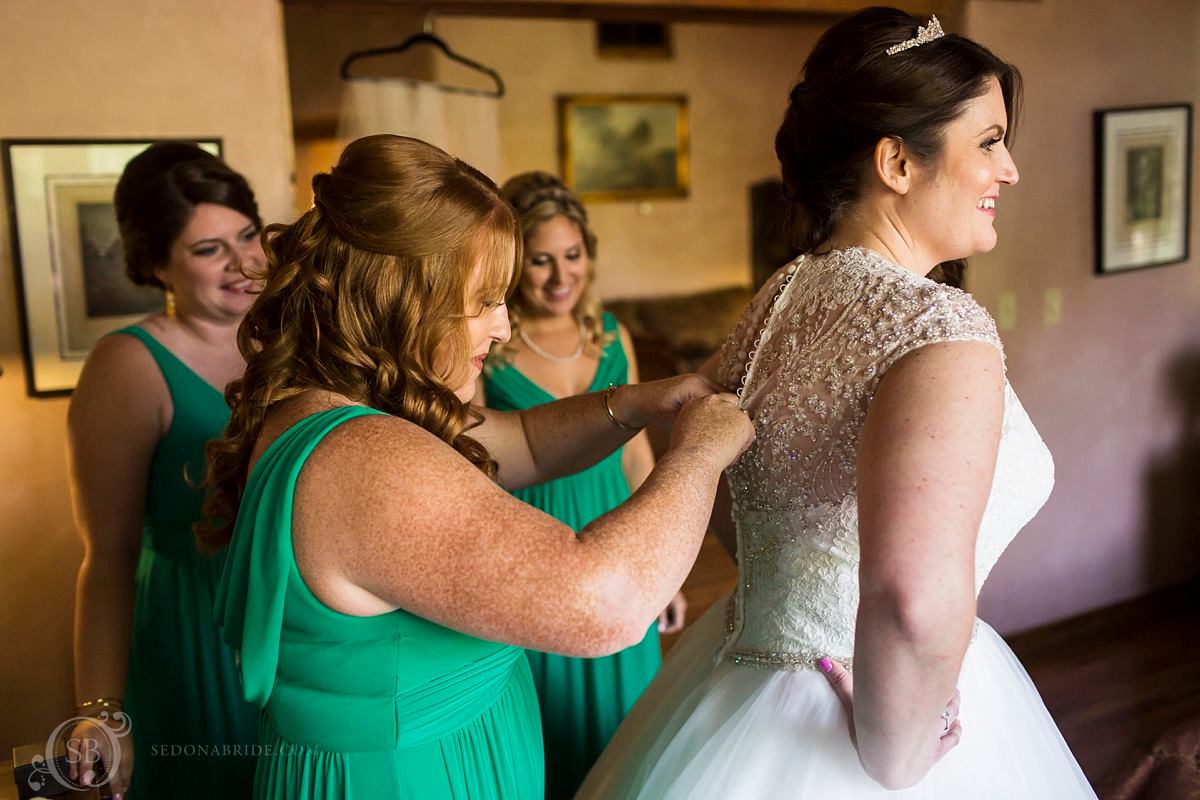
1108	386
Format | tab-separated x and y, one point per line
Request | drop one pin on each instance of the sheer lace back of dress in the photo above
849	316
818	355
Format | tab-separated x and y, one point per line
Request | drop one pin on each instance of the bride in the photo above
892	466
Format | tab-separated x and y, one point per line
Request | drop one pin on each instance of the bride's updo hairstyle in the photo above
366	295
852	93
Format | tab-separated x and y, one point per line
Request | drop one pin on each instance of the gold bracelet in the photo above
608	410
103	702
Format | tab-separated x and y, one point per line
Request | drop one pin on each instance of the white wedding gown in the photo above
739	709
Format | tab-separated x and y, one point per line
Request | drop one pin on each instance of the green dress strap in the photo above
199	413
178	375
252	620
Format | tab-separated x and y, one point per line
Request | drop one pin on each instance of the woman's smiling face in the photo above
555	272
952	209
209	263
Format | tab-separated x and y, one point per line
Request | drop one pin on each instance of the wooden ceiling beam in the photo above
744	11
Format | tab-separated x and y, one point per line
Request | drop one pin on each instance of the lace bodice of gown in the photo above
845	319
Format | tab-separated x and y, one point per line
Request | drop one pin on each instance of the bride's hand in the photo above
947	729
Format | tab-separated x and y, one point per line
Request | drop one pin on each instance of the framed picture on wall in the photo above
624	147
1143	186
67	254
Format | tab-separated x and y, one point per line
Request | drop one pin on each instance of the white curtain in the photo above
466	126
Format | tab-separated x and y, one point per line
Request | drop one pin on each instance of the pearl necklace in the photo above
553	359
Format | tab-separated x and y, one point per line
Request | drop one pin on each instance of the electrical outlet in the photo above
1052	307
1006	316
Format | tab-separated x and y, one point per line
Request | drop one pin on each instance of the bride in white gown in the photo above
892	466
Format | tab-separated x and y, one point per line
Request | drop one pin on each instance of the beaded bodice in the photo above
811	350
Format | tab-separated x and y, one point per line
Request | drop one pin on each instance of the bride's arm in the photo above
926	460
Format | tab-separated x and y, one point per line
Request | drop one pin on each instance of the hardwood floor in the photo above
1113	679
1117	678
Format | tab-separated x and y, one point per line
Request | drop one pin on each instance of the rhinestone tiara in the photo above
924	35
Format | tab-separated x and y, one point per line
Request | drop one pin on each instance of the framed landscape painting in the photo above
624	147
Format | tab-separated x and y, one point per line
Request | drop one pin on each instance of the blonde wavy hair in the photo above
364	296
539	197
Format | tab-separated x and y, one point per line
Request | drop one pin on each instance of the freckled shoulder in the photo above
382	455
380	487
387	516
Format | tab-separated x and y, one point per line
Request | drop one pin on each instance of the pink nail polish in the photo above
825	664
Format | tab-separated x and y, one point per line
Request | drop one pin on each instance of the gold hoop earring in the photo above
169	304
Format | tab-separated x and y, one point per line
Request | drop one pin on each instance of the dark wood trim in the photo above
650	12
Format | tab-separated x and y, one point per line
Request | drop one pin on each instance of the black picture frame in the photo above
67	261
1143	167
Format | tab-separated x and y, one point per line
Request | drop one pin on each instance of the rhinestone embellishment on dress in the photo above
807	357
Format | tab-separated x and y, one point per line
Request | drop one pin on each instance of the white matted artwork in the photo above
69	263
1143	186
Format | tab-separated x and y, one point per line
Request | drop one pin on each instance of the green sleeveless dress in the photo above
583	700
192	731
367	708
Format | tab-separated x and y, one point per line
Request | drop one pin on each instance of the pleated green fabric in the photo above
181	689
583	700
381	707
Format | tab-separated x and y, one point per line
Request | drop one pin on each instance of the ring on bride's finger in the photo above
946	716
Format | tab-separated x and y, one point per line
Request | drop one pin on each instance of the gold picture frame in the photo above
624	146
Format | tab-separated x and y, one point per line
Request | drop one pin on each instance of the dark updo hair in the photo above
852	94
156	195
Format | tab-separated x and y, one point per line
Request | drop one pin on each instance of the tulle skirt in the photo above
731	732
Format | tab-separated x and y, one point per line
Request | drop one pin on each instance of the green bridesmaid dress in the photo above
366	708
583	700
192	731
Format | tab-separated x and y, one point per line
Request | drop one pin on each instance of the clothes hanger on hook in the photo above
427	36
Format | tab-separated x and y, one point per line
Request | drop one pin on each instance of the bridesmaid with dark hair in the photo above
566	344
149	399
